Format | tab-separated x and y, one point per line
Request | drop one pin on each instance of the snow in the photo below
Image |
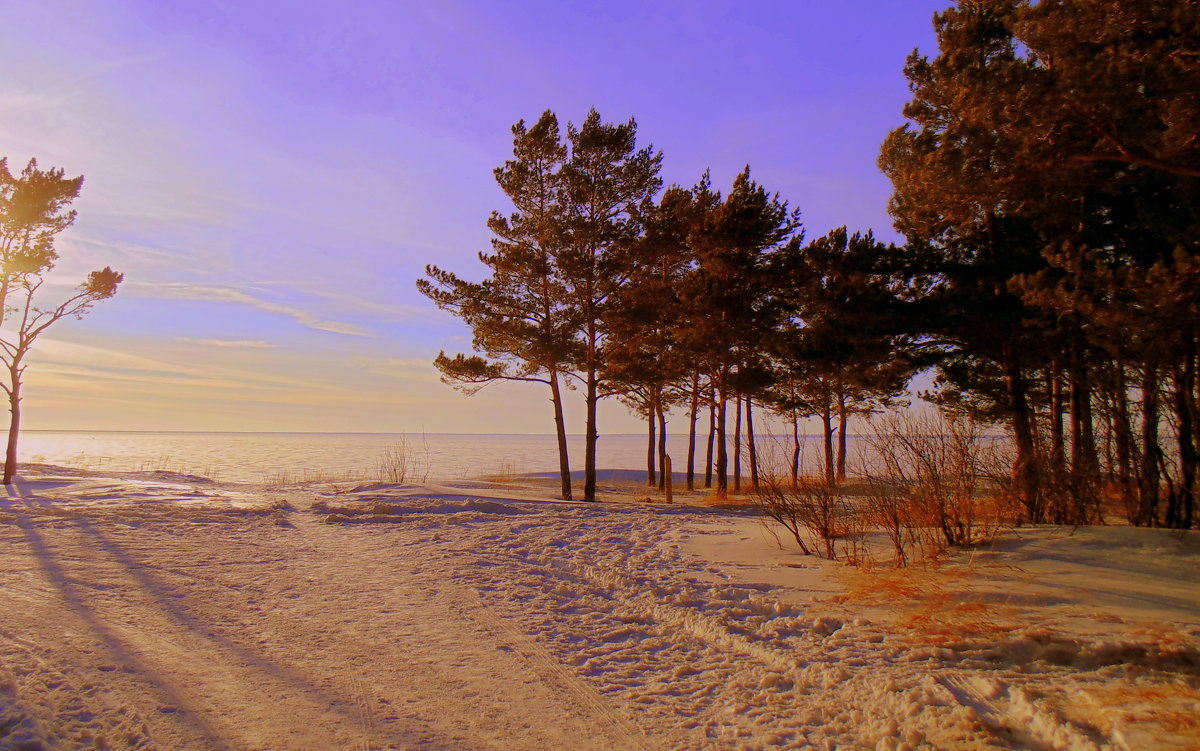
151	610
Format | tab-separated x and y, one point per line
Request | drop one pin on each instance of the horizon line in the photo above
370	432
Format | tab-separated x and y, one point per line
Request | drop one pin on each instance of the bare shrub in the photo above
934	481
813	509
886	510
284	478
405	462
507	471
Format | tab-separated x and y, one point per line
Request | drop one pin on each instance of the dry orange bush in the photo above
933	482
820	519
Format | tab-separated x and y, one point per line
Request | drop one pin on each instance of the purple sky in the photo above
273	176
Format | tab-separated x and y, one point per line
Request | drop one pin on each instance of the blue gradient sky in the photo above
272	176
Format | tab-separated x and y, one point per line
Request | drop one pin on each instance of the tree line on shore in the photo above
1046	186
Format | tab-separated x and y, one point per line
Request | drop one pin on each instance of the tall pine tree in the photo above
520	316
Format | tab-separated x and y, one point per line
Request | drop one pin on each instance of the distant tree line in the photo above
1047	188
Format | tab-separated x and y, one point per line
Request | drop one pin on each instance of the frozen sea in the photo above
288	457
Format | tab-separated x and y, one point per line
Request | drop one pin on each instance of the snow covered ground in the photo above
149	610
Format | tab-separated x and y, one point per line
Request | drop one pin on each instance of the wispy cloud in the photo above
384	311
229	343
408	369
118	251
213	293
84	363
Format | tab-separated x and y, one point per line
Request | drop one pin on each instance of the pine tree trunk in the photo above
651	417
795	449
827	437
1103	400
1090	502
692	414
1192	404
560	425
750	447
1083	444
1190	511
1124	435
712	432
1149	478
1075	471
14	428
662	446
737	444
1025	468
1058	455
722	449
1181	508
591	432
843	420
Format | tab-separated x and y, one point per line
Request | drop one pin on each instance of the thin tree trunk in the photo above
1124	434
1180	511
1025	469
843	420
1149	480
1090	502
1083	444
651	417
591	432
1106	449
692	413
827	436
712	432
1076	418
795	449
1192	367
662	446
1194	400
4	287
1057	453
14	427
737	443
722	449
750	447
560	426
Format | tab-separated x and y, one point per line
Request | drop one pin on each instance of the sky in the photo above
272	176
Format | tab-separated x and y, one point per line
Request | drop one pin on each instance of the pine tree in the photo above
1055	149
845	342
520	315
608	187
33	212
957	186
643	360
729	297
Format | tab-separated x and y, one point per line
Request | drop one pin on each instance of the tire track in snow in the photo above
545	664
700	626
1012	714
585	572
494	685
214	691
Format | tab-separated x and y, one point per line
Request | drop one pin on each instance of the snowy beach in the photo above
160	611
599	376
